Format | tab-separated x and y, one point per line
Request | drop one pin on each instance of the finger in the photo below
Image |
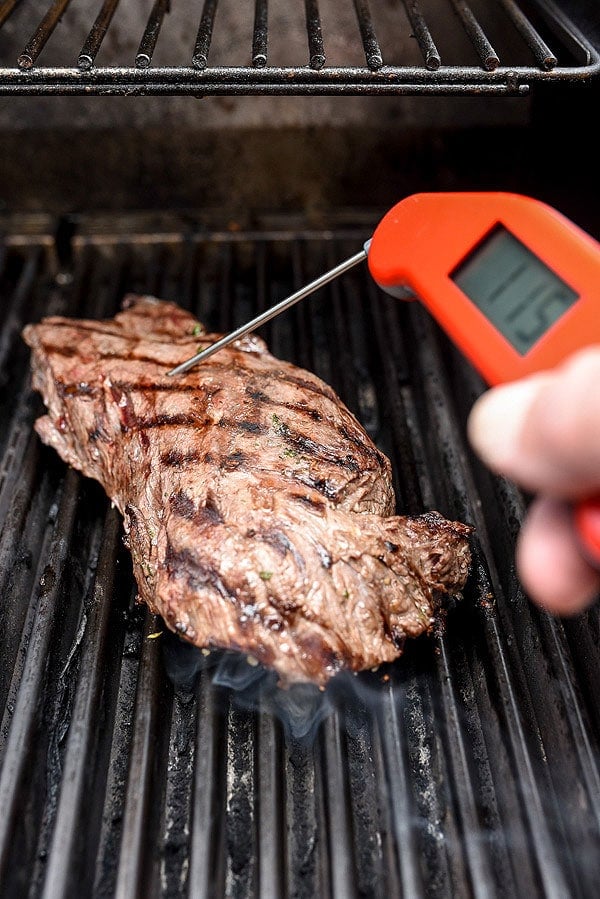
550	564
544	431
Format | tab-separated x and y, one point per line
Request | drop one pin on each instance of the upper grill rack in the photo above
413	47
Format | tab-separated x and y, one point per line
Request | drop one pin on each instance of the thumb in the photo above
544	431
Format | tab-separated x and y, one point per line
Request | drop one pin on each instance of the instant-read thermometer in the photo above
514	283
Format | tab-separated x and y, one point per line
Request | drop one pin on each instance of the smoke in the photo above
300	708
182	661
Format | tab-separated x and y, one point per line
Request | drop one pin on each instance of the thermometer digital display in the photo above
514	289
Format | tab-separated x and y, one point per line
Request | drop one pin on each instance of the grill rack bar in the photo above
138	803
316	50
565	54
488	56
260	34
143	57
543	55
205	31
97	34
42	34
371	46
43	609
422	35
59	879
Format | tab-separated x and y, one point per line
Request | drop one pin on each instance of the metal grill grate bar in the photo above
271	853
542	53
80	763
13	308
206	839
337	811
141	798
422	35
44	605
393	747
97	34
488	56
204	37
588	763
316	51
38	41
150	37
260	34
367	32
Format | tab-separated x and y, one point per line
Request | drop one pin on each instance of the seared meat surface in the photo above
257	510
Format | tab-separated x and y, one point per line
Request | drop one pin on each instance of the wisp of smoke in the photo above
300	708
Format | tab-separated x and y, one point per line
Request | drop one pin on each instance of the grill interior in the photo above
468	768
315	47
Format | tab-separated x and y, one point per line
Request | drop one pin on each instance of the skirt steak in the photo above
257	510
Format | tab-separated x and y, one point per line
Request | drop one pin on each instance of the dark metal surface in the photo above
469	768
508	47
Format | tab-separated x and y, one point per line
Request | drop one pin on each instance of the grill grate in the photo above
410	47
468	768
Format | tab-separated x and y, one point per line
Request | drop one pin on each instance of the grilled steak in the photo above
257	510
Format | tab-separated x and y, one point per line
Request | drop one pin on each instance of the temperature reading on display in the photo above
517	292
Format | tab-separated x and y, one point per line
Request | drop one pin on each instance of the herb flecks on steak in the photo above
256	508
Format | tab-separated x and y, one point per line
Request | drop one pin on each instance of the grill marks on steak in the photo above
256	508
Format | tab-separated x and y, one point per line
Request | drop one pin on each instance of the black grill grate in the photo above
410	47
470	768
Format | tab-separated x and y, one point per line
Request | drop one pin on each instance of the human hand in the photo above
543	432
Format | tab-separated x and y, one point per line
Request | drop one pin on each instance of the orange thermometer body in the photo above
514	283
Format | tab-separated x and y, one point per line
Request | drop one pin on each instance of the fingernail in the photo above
496	421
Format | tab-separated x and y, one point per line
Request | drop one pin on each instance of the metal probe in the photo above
270	313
